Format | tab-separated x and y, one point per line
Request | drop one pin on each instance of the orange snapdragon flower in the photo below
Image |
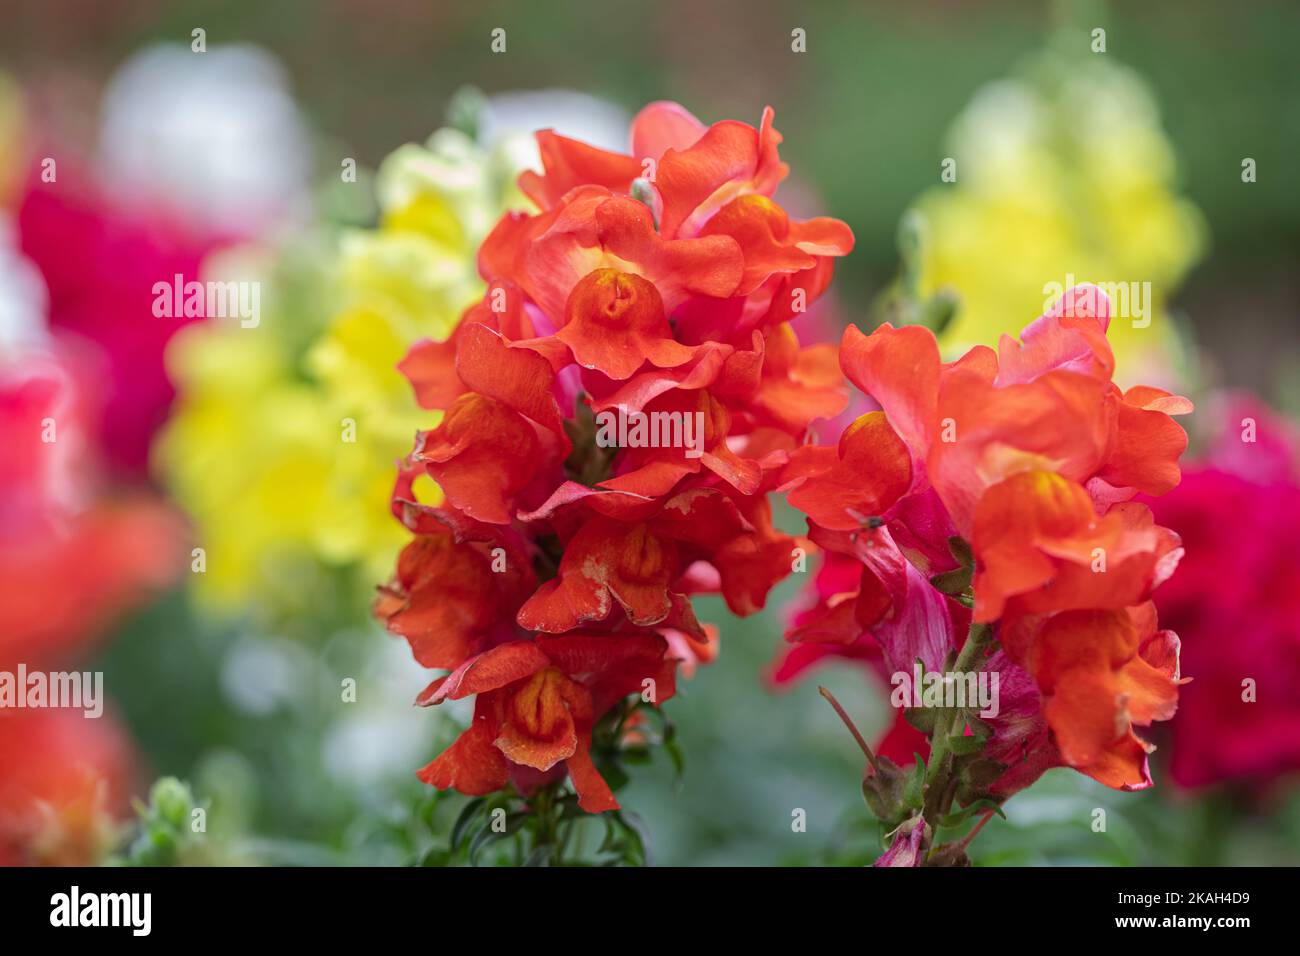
1031	457
555	578
536	705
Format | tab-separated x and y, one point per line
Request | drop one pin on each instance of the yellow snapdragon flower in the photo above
1063	175
284	437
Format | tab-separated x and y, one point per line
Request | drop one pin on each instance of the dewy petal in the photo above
613	666
593	654
752	562
1095	684
1013	519
1123	765
436	370
650	382
430	367
711	265
762	230
788	386
1022	740
1060	422
593	230
1083	715
902	742
653	471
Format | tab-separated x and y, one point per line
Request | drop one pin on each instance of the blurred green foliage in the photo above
864	110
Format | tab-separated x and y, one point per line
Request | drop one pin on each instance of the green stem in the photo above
972	653
978	640
936	772
940	785
542	806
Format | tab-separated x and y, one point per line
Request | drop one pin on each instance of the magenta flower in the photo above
1235	600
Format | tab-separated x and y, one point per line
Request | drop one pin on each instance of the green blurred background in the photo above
864	112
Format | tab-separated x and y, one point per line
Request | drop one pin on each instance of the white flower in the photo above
214	136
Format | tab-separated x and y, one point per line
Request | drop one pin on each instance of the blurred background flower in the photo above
75	552
1063	174
1235	601
283	442
188	154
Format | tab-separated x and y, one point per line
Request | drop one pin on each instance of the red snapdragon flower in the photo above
1031	457
537	701
555	579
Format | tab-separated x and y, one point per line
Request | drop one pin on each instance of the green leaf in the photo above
482	839
569	809
614	775
610	841
976	776
487	835
674	751
923	719
463	821
954	582
436	856
965	813
636	756
634	851
914	787
963	746
541	856
427	809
